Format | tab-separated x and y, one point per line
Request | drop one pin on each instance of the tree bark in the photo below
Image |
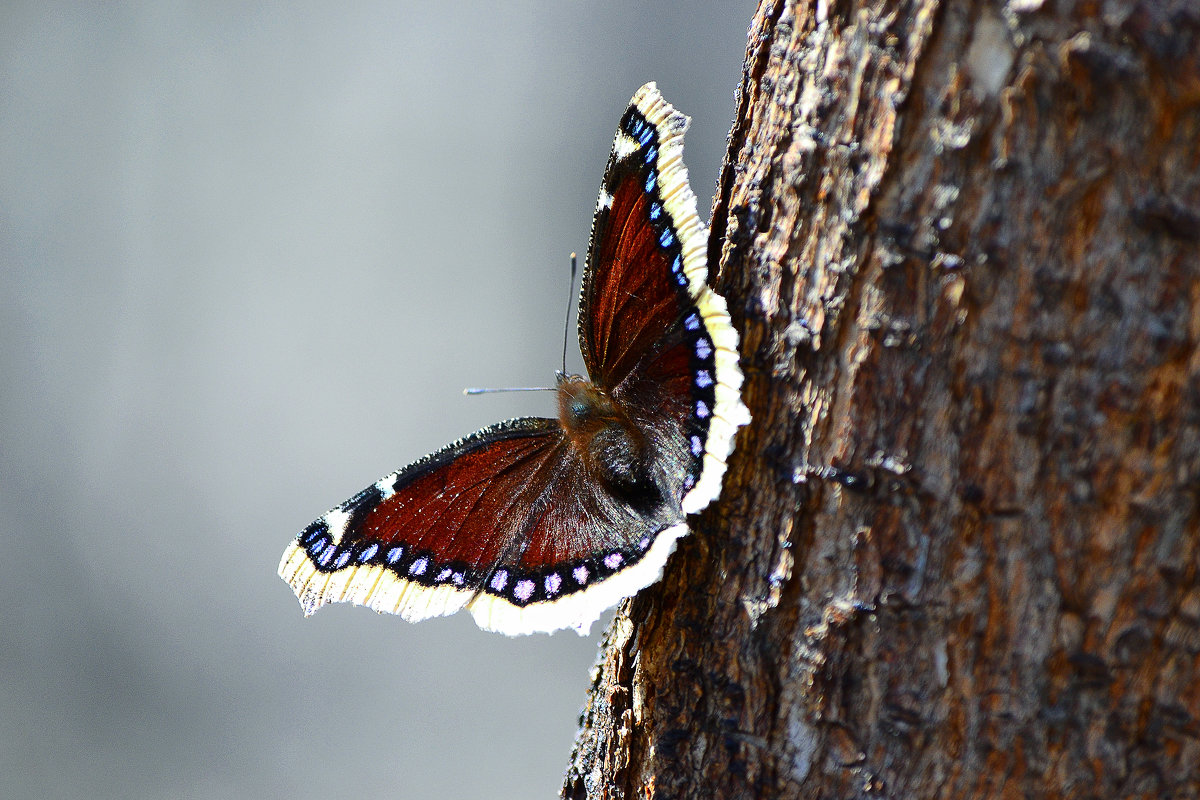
958	549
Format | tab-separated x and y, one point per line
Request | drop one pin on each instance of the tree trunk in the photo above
957	551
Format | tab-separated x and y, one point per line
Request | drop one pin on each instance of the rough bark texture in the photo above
962	244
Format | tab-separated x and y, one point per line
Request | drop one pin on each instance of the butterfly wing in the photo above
503	522
652	332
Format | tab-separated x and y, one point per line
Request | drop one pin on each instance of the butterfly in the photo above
541	524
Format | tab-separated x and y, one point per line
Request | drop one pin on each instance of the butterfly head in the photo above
582	406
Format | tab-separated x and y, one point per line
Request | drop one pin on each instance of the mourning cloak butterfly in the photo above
540	524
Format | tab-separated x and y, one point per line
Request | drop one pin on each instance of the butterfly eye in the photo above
579	403
580	411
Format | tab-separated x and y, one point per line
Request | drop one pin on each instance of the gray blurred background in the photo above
248	260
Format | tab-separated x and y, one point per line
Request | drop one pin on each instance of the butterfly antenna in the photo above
477	390
567	321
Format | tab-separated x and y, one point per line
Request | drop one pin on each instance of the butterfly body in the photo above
538	524
608	444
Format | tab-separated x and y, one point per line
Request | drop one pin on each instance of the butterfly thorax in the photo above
610	445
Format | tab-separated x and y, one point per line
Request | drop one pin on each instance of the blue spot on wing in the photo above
311	533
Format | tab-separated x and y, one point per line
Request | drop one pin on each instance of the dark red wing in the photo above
652	332
505	522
